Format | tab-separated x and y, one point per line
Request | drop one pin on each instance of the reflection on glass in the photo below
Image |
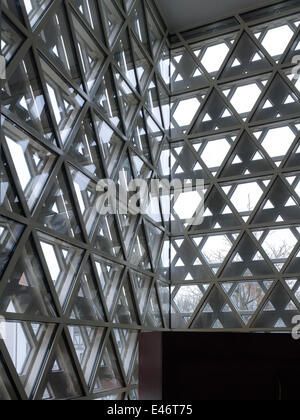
26	292
111	145
87	197
35	9
22	96
124	59
33	163
110	276
106	98
9	199
109	376
113	20
87	342
63	261
10	233
62	382
66	103
56	38
127	342
91	55
10	39
87	304
84	149
28	344
107	238
57	212
125	312
128	100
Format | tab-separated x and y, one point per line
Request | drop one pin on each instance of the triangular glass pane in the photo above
111	145
250	59
62	383
283	205
129	101
183	110
280	316
217	317
113	20
185	73
10	233
28	345
128	4
87	343
217	213
213	150
107	237
127	342
125	312
140	254
284	101
14	8
249	262
35	10
58	212
84	149
91	55
153	316
246	297
110	277
245	196
276	140
89	12
185	262
128	224
124	59
215	248
274	38
185	300
212	53
278	244
212	117
63	261
108	375
246	157
142	64
56	38
11	39
9	199
65	102
106	99
33	163
142	286
87	196
26	291
22	96
87	304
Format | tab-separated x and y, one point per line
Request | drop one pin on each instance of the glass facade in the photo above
98	89
84	99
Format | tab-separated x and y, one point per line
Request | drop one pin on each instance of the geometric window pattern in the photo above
85	97
235	109
95	88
